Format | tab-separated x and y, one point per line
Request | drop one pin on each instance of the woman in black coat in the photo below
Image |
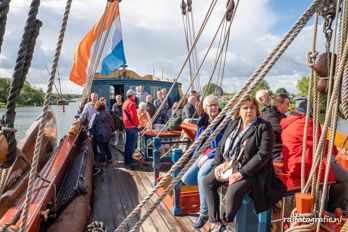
116	112
254	173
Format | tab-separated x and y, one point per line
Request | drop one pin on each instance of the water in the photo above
26	115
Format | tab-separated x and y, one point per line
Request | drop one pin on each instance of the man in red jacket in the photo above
292	136
131	123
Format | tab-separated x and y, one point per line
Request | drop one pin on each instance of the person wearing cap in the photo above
274	114
131	123
292	136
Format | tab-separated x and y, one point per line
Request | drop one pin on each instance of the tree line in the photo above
29	95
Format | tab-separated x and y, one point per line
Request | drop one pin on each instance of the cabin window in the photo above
153	91
112	92
134	87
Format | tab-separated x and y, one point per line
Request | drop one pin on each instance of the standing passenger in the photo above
116	113
162	116
169	100
150	107
101	130
142	94
85	118
131	123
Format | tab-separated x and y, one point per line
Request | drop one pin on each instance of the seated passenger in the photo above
144	117
189	110
249	140
292	135
262	97
274	114
162	117
202	166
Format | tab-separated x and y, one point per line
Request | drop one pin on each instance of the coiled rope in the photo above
240	96
44	116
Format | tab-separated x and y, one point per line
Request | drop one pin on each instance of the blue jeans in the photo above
131	140
195	175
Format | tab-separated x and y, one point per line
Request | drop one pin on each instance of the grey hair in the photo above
260	94
142	105
149	98
208	99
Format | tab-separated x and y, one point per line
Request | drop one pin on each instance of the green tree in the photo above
282	90
212	88
4	88
262	85
28	95
303	85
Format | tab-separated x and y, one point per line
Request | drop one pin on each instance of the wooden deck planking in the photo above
181	221
148	224
118	190
165	214
161	224
126	185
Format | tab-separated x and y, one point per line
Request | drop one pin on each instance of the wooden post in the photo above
304	202
177	210
156	154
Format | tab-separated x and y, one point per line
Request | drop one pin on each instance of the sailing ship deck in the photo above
118	190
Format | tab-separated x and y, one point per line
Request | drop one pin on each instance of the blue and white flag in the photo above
115	57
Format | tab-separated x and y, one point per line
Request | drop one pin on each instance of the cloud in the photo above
154	40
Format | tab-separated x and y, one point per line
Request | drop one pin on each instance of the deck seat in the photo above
248	220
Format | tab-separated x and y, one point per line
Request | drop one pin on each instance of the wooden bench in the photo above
248	220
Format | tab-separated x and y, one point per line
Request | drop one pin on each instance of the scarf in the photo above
233	142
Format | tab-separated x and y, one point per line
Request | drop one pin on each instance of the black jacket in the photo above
256	164
272	115
151	108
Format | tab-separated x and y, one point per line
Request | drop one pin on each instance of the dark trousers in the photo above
131	141
95	148
104	152
338	194
233	197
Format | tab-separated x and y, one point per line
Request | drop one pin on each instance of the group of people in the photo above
127	118
261	132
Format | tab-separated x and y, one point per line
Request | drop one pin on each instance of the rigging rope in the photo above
187	44
311	57
207	16
342	38
43	120
270	61
333	109
322	141
201	65
21	68
4	8
218	56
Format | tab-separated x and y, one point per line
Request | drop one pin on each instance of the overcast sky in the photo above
153	37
